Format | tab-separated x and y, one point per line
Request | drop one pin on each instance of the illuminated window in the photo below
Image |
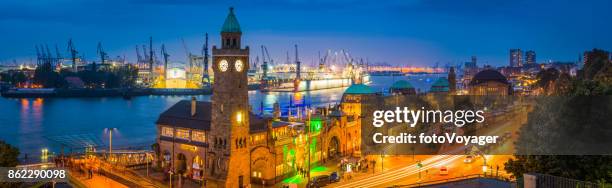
167	131
198	136
182	134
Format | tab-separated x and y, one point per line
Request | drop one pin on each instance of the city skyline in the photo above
381	32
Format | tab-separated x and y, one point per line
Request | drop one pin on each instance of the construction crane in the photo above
165	55
73	54
187	53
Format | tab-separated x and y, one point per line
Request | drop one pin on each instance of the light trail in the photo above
402	172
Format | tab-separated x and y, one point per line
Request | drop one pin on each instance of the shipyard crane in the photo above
205	56
298	65
38	55
188	53
99	51
138	56
264	66
49	56
205	77
103	55
144	52
151	55
73	54
58	57
165	55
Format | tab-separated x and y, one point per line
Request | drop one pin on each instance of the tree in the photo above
8	158
546	79
8	155
544	145
596	59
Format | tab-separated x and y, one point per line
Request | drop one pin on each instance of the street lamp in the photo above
110	142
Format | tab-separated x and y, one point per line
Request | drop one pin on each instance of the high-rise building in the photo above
530	57
516	58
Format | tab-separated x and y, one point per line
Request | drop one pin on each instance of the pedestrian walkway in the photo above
101	181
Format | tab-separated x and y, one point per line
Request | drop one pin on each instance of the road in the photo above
429	171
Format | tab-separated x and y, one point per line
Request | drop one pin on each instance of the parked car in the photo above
319	181
443	171
334	177
468	159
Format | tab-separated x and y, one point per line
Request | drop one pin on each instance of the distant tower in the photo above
530	57
516	58
452	81
230	118
474	60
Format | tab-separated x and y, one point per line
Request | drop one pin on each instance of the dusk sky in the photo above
400	32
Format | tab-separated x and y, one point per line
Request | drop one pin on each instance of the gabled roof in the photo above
179	115
231	24
359	89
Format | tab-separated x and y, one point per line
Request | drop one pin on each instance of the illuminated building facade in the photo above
225	145
489	82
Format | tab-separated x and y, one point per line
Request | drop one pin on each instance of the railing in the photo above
473	177
545	180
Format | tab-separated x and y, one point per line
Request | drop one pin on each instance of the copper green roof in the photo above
231	23
359	89
402	84
441	85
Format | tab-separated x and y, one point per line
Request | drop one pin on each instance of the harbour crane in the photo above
165	55
138	56
187	52
73	54
100	51
38	55
205	77
144	52
58	58
297	64
151	55
205	55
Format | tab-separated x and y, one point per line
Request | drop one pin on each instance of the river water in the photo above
36	124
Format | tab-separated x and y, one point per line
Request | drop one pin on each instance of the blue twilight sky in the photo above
401	32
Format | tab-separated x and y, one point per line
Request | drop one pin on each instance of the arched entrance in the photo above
197	167
334	147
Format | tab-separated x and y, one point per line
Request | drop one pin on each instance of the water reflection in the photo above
27	123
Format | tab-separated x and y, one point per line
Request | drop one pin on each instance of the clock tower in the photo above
228	153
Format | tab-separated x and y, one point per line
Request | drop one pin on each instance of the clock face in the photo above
223	65
239	66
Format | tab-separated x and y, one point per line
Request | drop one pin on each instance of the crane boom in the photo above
73	54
